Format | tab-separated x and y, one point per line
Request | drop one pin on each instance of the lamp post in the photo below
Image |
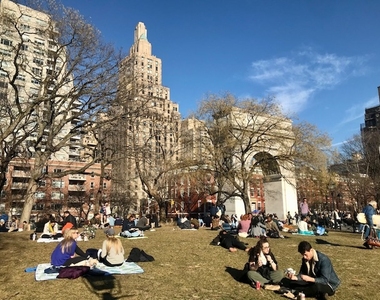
332	189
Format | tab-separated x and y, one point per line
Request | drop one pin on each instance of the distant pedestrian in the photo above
304	207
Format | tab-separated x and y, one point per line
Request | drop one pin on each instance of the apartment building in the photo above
30	53
75	192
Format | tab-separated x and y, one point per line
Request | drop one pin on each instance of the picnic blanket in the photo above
133	237
126	268
47	240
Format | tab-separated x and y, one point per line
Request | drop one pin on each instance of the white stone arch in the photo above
279	185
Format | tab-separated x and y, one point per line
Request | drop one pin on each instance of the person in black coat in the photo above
69	218
231	242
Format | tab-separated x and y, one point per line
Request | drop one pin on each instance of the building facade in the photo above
146	138
38	116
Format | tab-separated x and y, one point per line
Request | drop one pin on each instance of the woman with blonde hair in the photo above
112	252
68	253
369	210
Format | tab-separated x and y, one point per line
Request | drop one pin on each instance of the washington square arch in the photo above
257	140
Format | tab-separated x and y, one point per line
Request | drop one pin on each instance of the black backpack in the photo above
138	255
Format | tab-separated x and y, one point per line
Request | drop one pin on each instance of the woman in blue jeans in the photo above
369	210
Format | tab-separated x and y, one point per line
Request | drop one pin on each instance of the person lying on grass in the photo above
230	242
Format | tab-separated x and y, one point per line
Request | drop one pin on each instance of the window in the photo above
5	52
57	170
39	42
38	206
36	81
3	84
58	184
6	42
38	61
42	183
25	27
56	206
57	196
92	185
104	185
20	77
37	71
40	195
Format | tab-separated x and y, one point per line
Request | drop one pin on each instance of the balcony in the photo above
77	177
19	173
19	186
76	187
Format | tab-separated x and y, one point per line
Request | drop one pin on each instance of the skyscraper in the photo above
148	130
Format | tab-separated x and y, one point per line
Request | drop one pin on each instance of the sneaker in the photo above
289	295
272	287
366	245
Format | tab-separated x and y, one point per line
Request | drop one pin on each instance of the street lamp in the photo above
332	189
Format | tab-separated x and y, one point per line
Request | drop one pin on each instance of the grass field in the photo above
186	266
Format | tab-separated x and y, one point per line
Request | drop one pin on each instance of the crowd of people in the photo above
316	277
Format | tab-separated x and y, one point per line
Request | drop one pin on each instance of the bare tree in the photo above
357	166
312	151
243	135
74	76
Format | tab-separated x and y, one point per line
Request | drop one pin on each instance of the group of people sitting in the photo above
257	225
133	227
316	277
67	253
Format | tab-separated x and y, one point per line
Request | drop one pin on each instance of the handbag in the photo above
372	239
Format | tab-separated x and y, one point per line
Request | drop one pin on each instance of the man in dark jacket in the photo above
316	277
69	218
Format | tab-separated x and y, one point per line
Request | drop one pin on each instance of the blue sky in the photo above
320	59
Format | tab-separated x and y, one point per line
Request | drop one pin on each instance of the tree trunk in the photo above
29	200
247	204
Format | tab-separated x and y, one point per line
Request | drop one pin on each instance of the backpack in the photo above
138	255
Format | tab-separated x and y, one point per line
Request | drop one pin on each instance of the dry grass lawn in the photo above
186	266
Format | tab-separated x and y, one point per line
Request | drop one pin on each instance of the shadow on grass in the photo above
237	274
105	287
324	242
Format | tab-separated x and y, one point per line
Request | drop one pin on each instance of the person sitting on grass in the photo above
143	223
67	253
316	277
272	229
3	227
216	225
51	230
112	252
303	226
14	225
263	267
96	220
129	228
244	226
231	242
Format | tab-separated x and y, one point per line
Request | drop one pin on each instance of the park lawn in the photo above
186	266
